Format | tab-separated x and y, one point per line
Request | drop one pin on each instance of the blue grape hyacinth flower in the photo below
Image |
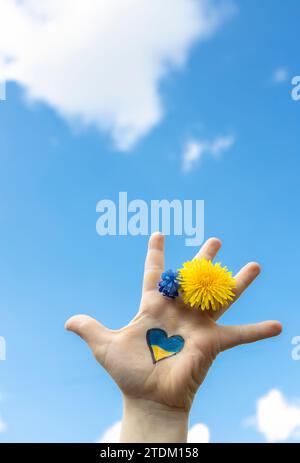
169	284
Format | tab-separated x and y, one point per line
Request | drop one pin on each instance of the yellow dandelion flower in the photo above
205	285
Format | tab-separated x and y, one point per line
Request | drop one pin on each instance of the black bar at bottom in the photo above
140	452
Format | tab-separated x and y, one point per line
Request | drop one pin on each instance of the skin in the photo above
158	397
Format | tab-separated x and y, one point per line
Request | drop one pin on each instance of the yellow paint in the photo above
160	353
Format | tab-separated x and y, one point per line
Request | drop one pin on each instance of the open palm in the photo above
174	381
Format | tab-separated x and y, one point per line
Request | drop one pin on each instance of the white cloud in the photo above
199	433
112	434
277	418
196	149
280	75
100	62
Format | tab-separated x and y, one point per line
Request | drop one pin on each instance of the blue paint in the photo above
158	337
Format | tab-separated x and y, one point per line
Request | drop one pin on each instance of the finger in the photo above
209	249
232	336
243	279
89	329
154	264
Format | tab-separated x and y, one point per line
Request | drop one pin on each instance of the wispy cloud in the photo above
199	433
195	149
101	62
277	418
280	75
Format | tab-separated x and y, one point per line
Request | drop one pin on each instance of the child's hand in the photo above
171	383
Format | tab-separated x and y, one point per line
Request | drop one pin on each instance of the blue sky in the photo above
53	264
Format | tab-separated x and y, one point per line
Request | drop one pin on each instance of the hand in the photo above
171	383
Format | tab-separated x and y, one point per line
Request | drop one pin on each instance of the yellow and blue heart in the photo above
161	346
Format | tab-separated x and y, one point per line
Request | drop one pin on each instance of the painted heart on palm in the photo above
161	346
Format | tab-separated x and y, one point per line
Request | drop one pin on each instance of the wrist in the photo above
149	421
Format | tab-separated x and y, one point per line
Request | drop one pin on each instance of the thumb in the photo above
90	330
